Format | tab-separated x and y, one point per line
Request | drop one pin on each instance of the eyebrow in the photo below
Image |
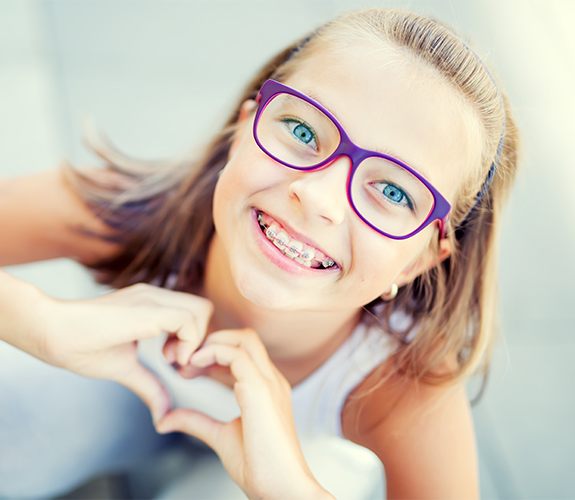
384	151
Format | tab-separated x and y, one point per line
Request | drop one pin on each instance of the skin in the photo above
393	105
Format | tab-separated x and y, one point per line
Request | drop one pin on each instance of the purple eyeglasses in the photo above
389	196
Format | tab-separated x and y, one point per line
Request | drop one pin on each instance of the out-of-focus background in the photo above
159	76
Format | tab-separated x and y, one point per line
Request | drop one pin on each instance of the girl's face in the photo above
385	102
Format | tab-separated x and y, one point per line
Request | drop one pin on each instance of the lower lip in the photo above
274	254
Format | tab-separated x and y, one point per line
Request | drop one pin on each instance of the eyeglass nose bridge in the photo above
347	148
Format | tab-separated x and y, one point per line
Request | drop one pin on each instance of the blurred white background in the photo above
160	76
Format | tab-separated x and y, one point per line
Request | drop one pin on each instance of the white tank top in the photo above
317	401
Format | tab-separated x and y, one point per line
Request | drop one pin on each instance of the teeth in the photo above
293	249
306	263
279	245
282	238
308	253
272	231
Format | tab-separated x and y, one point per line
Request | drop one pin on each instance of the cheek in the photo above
377	271
379	261
249	171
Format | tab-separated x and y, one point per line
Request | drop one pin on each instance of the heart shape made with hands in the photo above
208	389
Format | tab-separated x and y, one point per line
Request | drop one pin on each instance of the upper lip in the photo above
299	236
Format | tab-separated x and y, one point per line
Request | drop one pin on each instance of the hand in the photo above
98	337
260	449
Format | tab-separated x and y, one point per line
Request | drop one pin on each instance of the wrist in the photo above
306	488
21	304
314	491
318	493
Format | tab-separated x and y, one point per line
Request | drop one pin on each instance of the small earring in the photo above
392	292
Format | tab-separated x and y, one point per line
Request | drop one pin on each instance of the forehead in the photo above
390	103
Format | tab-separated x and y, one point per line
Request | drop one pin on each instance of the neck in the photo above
287	335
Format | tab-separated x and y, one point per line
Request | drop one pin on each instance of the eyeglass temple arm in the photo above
443	227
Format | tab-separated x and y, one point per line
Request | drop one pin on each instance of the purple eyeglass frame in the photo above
441	207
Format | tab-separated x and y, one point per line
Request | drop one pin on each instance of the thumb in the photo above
193	423
148	388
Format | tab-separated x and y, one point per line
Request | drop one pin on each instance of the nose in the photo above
322	193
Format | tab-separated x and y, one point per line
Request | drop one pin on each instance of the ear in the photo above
425	261
246	109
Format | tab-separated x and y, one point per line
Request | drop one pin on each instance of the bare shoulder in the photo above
423	434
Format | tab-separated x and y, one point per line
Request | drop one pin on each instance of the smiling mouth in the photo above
292	248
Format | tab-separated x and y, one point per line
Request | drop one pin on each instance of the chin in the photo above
267	295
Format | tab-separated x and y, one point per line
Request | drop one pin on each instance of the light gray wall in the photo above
159	76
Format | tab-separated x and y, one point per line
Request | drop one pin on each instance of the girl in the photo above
341	229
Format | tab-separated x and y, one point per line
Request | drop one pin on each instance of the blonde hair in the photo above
162	210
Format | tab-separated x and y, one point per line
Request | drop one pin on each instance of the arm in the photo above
37	214
17	299
111	326
426	443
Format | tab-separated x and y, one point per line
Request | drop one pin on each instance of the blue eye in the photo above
303	133
396	195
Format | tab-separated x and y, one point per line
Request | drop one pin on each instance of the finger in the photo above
193	329
200	308
193	423
147	387
169	298
184	350
241	365
185	370
255	394
148	322
191	333
169	349
190	371
181	323
248	340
